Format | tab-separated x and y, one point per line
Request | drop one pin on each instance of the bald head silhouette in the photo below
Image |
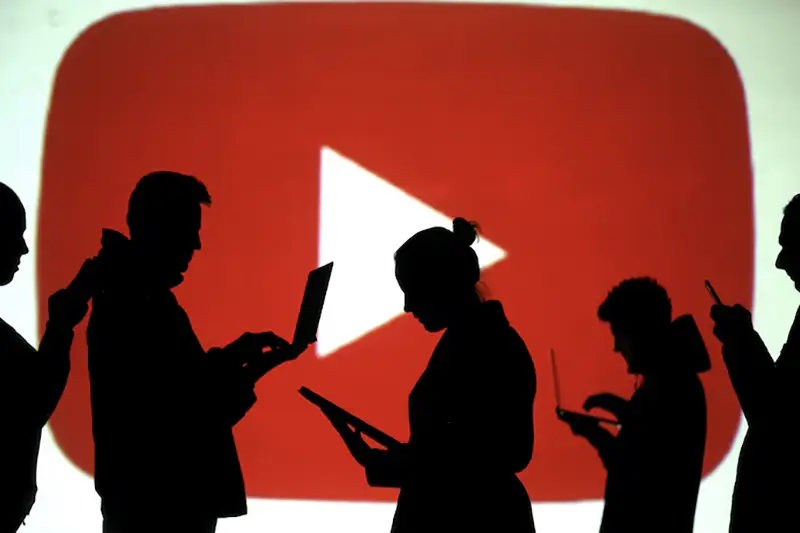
12	230
788	258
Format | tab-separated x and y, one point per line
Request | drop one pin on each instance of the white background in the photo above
761	36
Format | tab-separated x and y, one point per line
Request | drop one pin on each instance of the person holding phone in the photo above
470	413
766	491
164	408
654	464
31	381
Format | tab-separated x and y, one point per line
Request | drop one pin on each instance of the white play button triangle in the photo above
363	220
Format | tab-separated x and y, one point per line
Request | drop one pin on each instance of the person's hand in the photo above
359	449
87	278
731	323
66	308
580	425
612	403
250	347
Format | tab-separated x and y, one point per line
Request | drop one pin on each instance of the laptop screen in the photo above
305	332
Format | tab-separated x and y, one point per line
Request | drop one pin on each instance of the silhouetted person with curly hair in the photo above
655	462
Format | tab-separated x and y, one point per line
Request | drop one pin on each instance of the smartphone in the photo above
713	293
568	416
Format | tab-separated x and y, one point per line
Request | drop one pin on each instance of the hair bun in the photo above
465	231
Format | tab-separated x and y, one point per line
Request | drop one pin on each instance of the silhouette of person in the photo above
470	413
163	408
31	382
655	462
766	491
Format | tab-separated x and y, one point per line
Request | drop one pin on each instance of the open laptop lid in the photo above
566	412
305	332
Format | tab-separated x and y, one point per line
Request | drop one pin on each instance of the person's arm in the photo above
388	468
753	376
44	372
236	387
51	370
604	442
238	367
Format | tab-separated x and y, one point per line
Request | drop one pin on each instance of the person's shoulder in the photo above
11	342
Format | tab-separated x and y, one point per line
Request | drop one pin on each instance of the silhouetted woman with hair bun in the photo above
470	413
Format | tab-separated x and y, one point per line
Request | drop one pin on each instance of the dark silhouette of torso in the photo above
656	466
471	421
766	492
162	407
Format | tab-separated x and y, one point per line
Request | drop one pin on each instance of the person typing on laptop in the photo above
163	408
654	467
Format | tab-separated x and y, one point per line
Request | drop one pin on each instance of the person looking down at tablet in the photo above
470	413
163	408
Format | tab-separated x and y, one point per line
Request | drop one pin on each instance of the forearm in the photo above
753	376
605	443
49	376
235	386
388	468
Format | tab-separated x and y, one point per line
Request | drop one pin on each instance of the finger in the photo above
269	339
741	310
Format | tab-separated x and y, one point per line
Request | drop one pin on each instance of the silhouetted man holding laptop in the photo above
163	408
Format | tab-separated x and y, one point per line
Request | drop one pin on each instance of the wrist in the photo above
58	326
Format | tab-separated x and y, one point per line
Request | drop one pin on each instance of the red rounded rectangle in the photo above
591	145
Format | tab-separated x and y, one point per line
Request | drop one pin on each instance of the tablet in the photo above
370	431
305	332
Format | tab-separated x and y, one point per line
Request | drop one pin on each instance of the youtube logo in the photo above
590	145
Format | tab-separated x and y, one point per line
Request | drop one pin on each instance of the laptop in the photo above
563	413
305	332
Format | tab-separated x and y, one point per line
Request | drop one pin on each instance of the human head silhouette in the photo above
12	231
639	312
788	258
438	272
164	219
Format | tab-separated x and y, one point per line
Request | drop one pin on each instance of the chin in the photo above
6	278
432	328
